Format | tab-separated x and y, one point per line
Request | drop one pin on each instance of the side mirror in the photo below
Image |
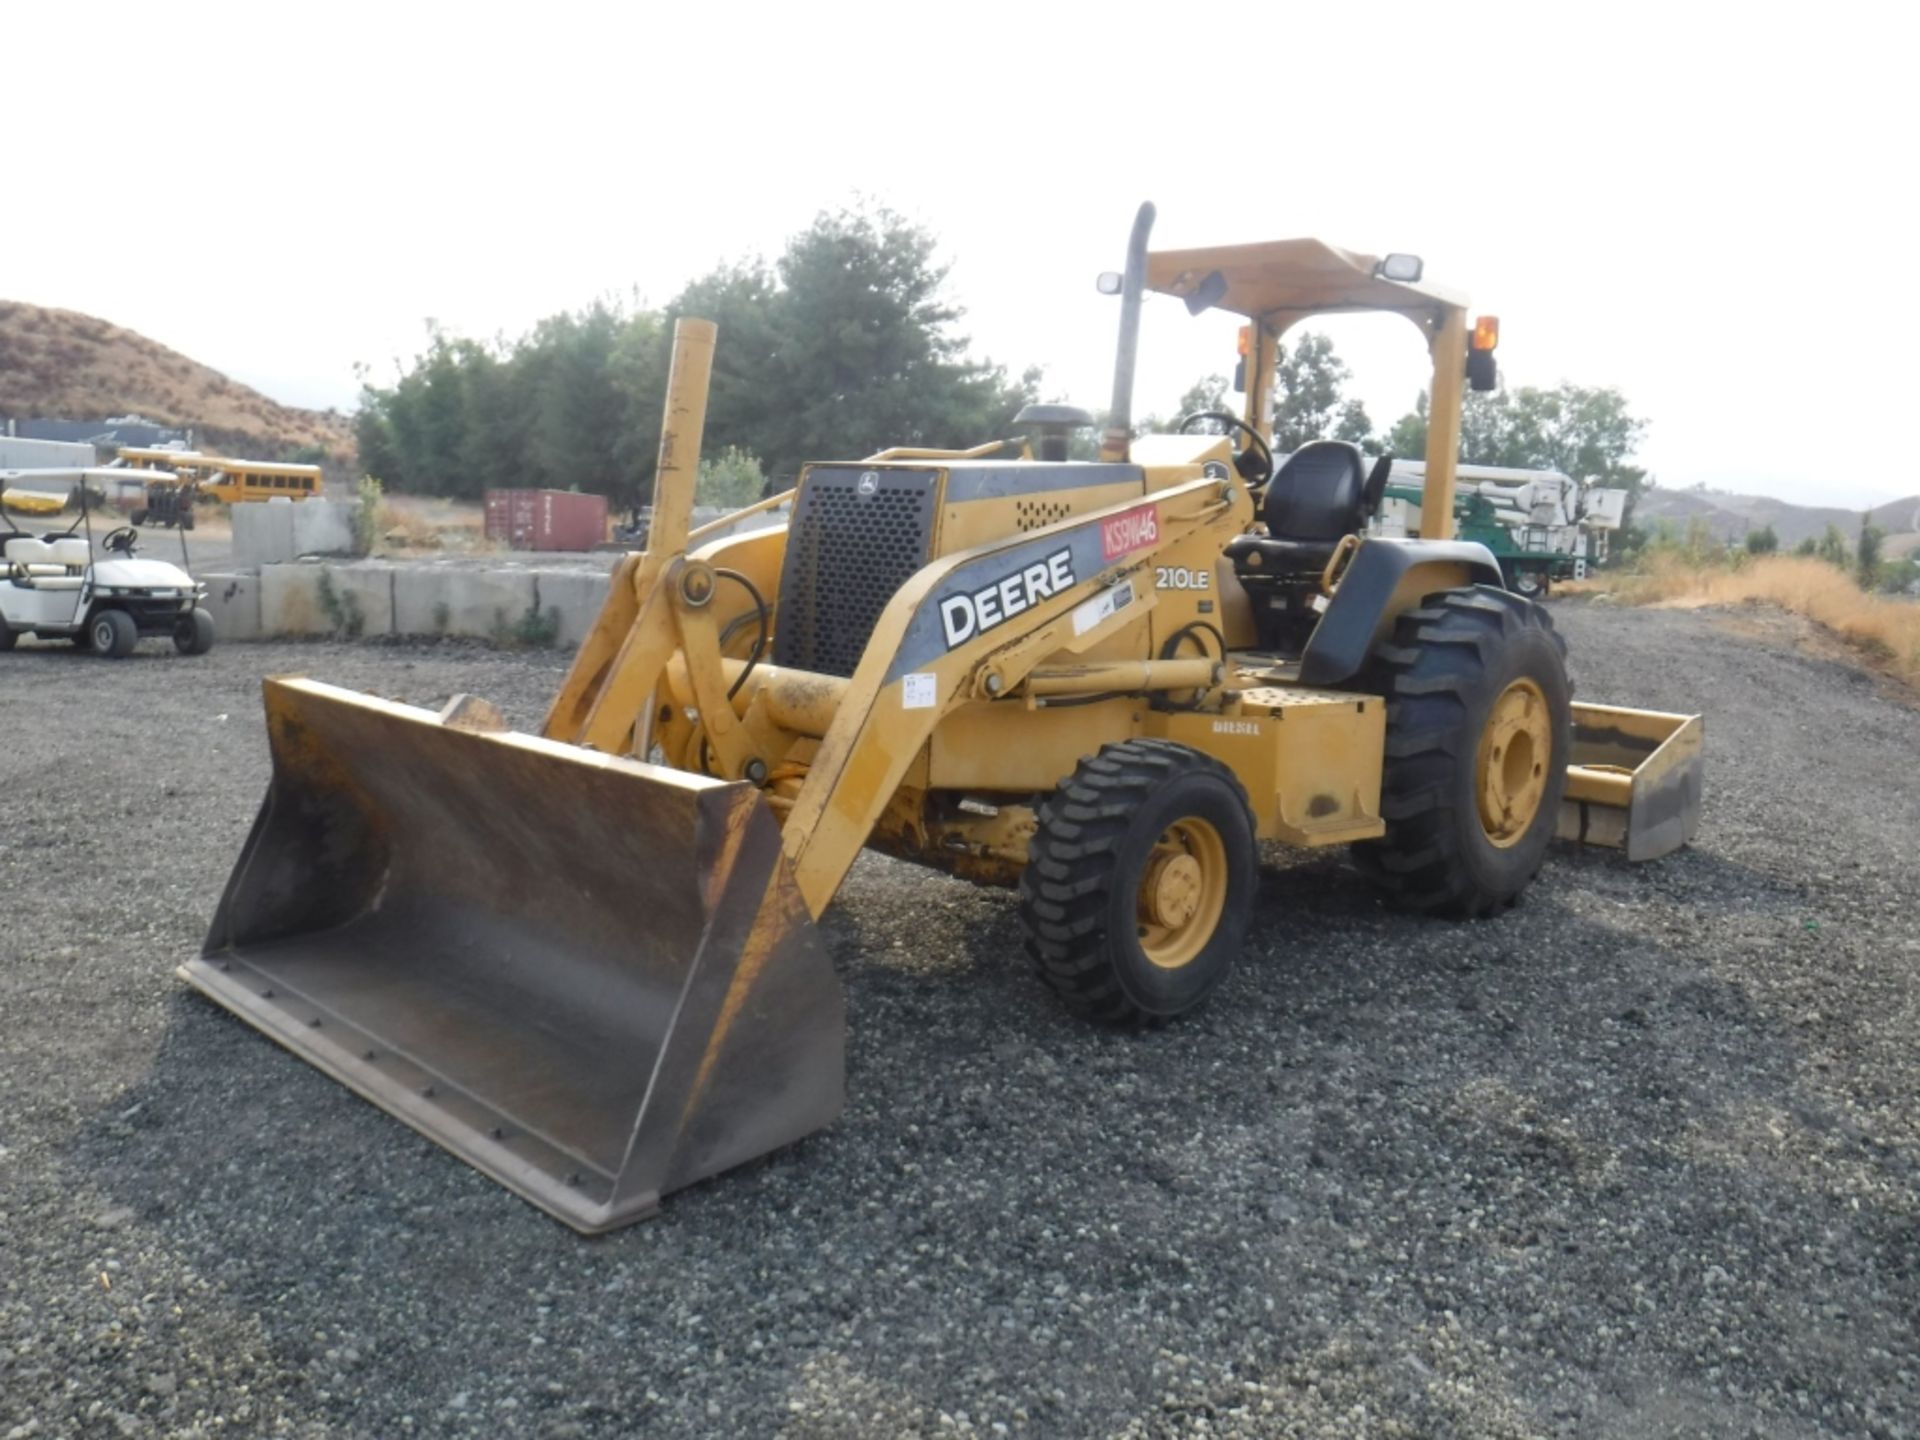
1406	269
1110	282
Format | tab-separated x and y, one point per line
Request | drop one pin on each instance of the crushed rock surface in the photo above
1638	1158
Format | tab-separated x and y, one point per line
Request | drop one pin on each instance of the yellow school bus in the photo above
229	480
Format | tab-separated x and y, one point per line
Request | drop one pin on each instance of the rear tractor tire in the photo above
1479	730
1140	881
112	634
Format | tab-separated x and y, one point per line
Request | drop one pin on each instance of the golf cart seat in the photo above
71	551
30	550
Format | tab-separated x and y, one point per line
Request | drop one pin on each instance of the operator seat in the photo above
1324	492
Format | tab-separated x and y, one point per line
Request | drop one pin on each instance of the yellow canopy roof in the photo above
1293	277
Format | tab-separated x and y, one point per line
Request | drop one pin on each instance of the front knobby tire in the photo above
1140	882
1479	730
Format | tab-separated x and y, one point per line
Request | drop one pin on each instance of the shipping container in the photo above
546	519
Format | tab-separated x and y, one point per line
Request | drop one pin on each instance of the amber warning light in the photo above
1486	332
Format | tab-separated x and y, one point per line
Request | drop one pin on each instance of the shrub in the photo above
731	480
536	629
343	610
366	515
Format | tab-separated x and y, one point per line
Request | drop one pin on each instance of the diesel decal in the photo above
975	612
1135	529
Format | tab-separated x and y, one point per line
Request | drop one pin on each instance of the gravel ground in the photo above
1637	1159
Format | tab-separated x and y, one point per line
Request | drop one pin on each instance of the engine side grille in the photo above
847	555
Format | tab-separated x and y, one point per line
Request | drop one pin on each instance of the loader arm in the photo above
915	672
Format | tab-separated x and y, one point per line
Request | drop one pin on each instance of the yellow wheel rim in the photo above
1510	776
1183	893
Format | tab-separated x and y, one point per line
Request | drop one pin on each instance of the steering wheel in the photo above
1254	459
121	541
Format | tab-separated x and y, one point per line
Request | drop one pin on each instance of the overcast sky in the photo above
1705	206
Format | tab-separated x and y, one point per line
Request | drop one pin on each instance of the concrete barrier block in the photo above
363	595
234	603
441	600
573	598
263	533
322	527
290	600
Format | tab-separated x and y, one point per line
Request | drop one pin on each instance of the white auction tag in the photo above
1109	601
918	692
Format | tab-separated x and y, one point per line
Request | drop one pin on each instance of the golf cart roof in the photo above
1278	278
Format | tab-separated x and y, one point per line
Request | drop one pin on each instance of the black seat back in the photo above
1377	486
1319	494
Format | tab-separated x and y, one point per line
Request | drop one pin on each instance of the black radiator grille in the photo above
848	552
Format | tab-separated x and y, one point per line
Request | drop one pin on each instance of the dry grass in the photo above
1885	629
416	522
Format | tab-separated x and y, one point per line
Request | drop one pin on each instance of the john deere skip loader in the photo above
586	961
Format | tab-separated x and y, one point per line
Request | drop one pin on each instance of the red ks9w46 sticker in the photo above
1135	529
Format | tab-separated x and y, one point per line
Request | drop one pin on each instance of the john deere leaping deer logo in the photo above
869	483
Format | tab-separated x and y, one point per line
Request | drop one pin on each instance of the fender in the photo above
1386	579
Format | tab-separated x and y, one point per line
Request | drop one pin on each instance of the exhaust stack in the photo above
1117	443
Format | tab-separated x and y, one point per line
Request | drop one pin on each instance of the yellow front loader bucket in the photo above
591	978
1635	780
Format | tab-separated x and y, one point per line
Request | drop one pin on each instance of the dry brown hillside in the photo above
63	365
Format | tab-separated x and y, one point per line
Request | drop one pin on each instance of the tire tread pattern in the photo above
1065	886
1429	670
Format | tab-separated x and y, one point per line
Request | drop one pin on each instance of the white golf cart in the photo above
52	587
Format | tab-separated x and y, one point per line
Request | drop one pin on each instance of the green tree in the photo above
578	411
1355	426
1833	547
1901	577
1581	431
1209	392
1407	438
1762	541
842	346
1307	385
867	355
1867	556
1808	547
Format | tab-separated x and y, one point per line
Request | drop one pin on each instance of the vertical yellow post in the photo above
1263	359
680	431
615	668
1449	349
